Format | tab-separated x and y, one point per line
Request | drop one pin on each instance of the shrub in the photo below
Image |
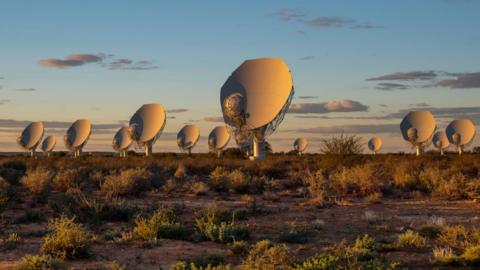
430	230
210	227
127	182
341	145
66	239
10	242
265	255
294	234
209	262
238	182
219	179
444	256
66	179
411	239
38	180
5	192
181	171
454	236
162	224
238	247
471	256
197	188
39	262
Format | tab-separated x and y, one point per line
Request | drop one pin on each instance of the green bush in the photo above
294	234
66	239
238	182
471	256
39	262
411	239
162	224
210	227
266	256
219	179
38	181
127	182
209	262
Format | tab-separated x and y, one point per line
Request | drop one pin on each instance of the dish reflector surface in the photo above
49	143
122	139
418	127
31	135
188	136
460	132
440	140
375	144
300	144
78	133
147	123
218	138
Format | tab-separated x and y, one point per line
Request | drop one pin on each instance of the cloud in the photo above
359	129
128	64
171	117
4	101
328	107
307	97
213	119
177	110
421	104
462	81
103	60
26	89
306	58
72	60
11	123
407	76
391	86
299	16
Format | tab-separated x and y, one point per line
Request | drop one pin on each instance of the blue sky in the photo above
191	47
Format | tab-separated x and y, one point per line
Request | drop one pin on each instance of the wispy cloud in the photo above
108	61
26	89
466	80
358	129
406	76
300	16
4	101
328	107
307	97
213	119
391	86
73	60
306	58
177	110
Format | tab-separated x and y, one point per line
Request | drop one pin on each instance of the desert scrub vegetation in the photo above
208	262
162	224
411	239
38	180
341	145
5	192
39	262
10	242
295	233
266	255
66	239
127	182
210	226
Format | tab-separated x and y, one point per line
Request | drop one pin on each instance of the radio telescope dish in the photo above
48	144
218	139
375	144
77	136
146	126
460	133
187	137
300	144
417	128
440	141
254	100
31	137
122	141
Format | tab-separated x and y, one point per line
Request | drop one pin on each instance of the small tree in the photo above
341	145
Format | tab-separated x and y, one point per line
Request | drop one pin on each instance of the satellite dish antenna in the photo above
77	136
187	137
375	144
254	100
218	139
417	128
300	144
31	137
48	144
146	126
122	141
440	141
460	133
